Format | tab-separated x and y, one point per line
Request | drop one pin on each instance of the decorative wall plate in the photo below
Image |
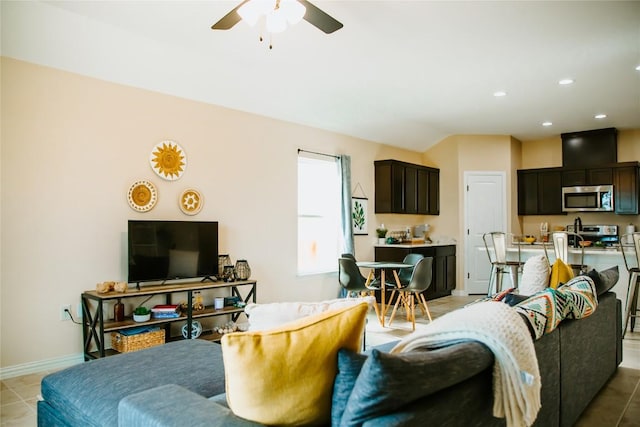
191	201
168	160
142	196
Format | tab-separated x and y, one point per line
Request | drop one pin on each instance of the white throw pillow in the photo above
535	275
271	315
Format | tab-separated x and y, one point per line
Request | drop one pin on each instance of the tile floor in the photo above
617	404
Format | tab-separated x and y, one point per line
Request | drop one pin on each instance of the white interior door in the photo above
485	210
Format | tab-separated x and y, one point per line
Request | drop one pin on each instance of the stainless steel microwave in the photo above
595	198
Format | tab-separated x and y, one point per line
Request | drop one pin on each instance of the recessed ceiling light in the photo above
565	82
500	93
600	116
546	123
638	68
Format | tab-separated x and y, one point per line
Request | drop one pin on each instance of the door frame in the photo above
466	239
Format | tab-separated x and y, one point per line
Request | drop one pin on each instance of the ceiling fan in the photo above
308	12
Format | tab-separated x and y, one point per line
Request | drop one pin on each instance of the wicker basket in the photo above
127	343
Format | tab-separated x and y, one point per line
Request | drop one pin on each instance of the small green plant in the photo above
382	232
141	311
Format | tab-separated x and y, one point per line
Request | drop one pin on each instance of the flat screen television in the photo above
168	250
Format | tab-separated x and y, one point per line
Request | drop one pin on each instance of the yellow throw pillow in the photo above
284	376
560	273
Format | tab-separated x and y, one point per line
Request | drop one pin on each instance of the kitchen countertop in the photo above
414	245
590	250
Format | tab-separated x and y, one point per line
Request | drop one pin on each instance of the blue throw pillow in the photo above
349	365
389	381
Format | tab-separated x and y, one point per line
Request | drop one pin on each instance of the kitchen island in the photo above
598	258
443	280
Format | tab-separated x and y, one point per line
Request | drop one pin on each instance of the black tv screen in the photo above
166	250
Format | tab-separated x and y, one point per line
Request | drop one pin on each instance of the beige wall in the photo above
548	153
72	146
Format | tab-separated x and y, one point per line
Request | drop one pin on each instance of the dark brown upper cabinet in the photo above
540	191
626	188
406	188
592	176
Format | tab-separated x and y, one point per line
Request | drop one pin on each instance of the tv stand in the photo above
96	325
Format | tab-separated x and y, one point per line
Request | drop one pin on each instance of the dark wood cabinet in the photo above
406	188
443	279
592	176
625	188
540	191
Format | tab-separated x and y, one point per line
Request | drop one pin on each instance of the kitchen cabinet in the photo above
443	279
406	188
591	176
540	191
626	188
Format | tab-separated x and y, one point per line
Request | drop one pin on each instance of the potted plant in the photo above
382	233
141	314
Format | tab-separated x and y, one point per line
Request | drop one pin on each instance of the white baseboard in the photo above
41	366
459	293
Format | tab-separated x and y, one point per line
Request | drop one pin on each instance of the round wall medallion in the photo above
168	160
191	201
142	196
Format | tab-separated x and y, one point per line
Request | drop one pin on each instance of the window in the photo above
319	233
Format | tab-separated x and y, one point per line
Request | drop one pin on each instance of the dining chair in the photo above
560	241
418	283
633	267
495	243
405	273
352	281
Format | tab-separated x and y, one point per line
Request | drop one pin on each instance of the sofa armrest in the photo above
172	405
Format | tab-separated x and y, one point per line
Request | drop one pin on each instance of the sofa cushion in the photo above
388	381
535	275
88	394
285	376
560	273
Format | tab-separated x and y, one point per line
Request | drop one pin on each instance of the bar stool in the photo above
634	284
560	240
495	243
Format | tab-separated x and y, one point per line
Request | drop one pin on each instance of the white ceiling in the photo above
404	73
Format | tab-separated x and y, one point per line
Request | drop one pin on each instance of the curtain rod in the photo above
319	154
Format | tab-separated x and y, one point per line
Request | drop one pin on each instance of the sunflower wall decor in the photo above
168	160
142	196
191	201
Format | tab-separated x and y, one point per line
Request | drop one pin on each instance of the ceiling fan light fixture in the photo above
277	13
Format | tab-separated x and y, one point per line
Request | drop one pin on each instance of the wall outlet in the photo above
64	312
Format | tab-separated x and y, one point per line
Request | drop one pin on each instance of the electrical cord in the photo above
66	310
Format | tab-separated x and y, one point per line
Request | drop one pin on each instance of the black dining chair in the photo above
632	263
352	281
405	274
419	282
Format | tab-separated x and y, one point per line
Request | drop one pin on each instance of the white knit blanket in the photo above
516	377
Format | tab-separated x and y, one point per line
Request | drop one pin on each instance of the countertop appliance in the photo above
600	235
592	198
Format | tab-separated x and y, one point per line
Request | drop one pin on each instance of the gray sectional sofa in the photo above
182	383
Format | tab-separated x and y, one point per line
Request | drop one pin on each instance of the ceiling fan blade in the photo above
230	19
319	19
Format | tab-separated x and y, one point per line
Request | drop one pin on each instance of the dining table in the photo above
383	266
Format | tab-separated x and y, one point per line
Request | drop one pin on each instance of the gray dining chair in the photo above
352	281
418	283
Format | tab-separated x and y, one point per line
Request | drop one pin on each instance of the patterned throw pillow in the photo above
545	310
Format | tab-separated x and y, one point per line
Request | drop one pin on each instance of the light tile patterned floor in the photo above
617	404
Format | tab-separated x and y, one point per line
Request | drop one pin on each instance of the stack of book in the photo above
168	311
